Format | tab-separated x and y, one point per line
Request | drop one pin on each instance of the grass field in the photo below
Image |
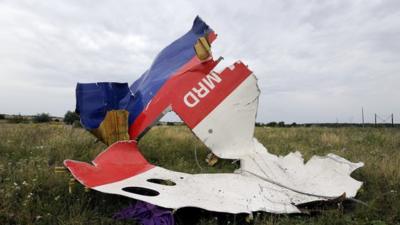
31	193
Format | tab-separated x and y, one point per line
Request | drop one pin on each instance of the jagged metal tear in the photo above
220	109
264	182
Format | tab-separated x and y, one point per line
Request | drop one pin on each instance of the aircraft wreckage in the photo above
220	109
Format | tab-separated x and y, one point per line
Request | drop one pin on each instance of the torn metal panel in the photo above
117	163
177	58
186	88
233	119
323	177
94	100
220	108
240	192
225	123
190	52
233	193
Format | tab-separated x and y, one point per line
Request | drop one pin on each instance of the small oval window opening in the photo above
162	182
141	191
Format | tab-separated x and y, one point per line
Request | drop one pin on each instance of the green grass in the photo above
31	193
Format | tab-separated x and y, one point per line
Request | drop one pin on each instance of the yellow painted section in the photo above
202	48
113	128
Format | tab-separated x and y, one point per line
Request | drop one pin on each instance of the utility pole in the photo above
392	121
375	119
362	114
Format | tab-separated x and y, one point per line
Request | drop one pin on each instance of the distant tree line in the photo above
69	118
282	124
275	124
72	118
38	118
42	118
17	119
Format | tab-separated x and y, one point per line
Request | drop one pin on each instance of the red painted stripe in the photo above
162	99
230	80
119	161
172	94
165	97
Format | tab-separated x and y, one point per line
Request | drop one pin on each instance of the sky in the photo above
316	61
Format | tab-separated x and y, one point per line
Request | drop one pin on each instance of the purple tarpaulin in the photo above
146	214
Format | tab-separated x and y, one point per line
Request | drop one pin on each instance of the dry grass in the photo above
31	193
